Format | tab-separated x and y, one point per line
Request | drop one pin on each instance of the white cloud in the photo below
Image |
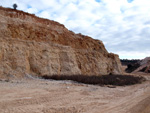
45	14
32	10
123	27
132	54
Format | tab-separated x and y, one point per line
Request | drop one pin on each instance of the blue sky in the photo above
130	1
98	0
122	25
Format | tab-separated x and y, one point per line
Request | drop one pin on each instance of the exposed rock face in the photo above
32	45
144	66
140	66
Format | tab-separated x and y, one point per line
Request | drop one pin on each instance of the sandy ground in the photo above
44	96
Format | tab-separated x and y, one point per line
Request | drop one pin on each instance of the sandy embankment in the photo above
43	96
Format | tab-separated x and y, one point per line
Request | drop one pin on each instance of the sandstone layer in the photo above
36	46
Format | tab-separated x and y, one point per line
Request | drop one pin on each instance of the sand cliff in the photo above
36	46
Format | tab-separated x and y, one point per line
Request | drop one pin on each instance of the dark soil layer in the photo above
132	67
117	80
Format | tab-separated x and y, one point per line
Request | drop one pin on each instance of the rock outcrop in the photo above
144	66
32	45
140	66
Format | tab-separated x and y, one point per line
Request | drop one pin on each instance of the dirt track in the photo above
43	96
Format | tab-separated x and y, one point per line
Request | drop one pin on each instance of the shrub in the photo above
15	6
